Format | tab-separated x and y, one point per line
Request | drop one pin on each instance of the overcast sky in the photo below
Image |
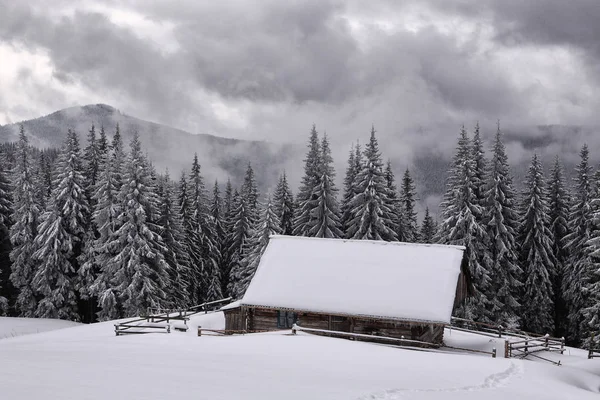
417	70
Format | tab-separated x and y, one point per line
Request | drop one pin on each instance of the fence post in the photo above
546	336
199	330
499	331
294	329
562	345
494	352
590	353
506	349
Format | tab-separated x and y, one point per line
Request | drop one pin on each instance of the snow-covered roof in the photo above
234	304
394	280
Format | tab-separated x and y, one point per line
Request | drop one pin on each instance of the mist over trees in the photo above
96	233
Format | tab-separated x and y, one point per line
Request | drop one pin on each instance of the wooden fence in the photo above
530	346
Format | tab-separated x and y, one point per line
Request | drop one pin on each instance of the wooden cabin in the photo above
387	289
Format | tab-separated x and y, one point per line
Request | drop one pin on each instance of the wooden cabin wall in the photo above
262	319
235	319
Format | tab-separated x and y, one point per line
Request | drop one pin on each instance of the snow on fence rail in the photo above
369	338
530	346
593	353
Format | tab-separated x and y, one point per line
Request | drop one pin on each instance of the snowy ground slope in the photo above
11	327
90	362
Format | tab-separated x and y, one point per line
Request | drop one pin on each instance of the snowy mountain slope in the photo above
167	147
12	327
90	362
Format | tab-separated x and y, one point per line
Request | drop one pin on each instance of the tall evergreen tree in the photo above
103	145
191	240
142	275
283	205
370	207
6	211
559	216
240	231
215	284
397	215
408	199
579	233
460	226
480	167
309	182
536	253
59	241
208	269
226	256
267	225
349	186
324	219
502	223
428	228
173	238
24	230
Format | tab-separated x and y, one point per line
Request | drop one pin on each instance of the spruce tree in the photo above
370	208
191	241
215	285
240	232
208	269
580	220
397	215
428	228
227	236
408	199
24	229
502	223
142	274
460	226
97	266
559	216
6	211
480	167
267	225
349	182
324	219
103	145
59	241
171	231
310	181
536	253
589	313
283	205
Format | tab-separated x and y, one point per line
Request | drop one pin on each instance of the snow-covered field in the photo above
90	362
11	327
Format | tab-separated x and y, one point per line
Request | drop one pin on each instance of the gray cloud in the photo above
268	71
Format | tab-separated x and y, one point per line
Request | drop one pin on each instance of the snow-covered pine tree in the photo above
267	225
502	223
351	172
371	206
397	215
142	274
536	256
324	218
97	267
227	219
580	219
479	173
283	205
24	229
215	284
590	274
240	232
428	228
103	146
208	269
42	180
408	200
59	241
558	203
92	164
460	226
191	241
6	211
309	182
171	231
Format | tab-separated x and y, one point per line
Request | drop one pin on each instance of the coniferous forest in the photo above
93	232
